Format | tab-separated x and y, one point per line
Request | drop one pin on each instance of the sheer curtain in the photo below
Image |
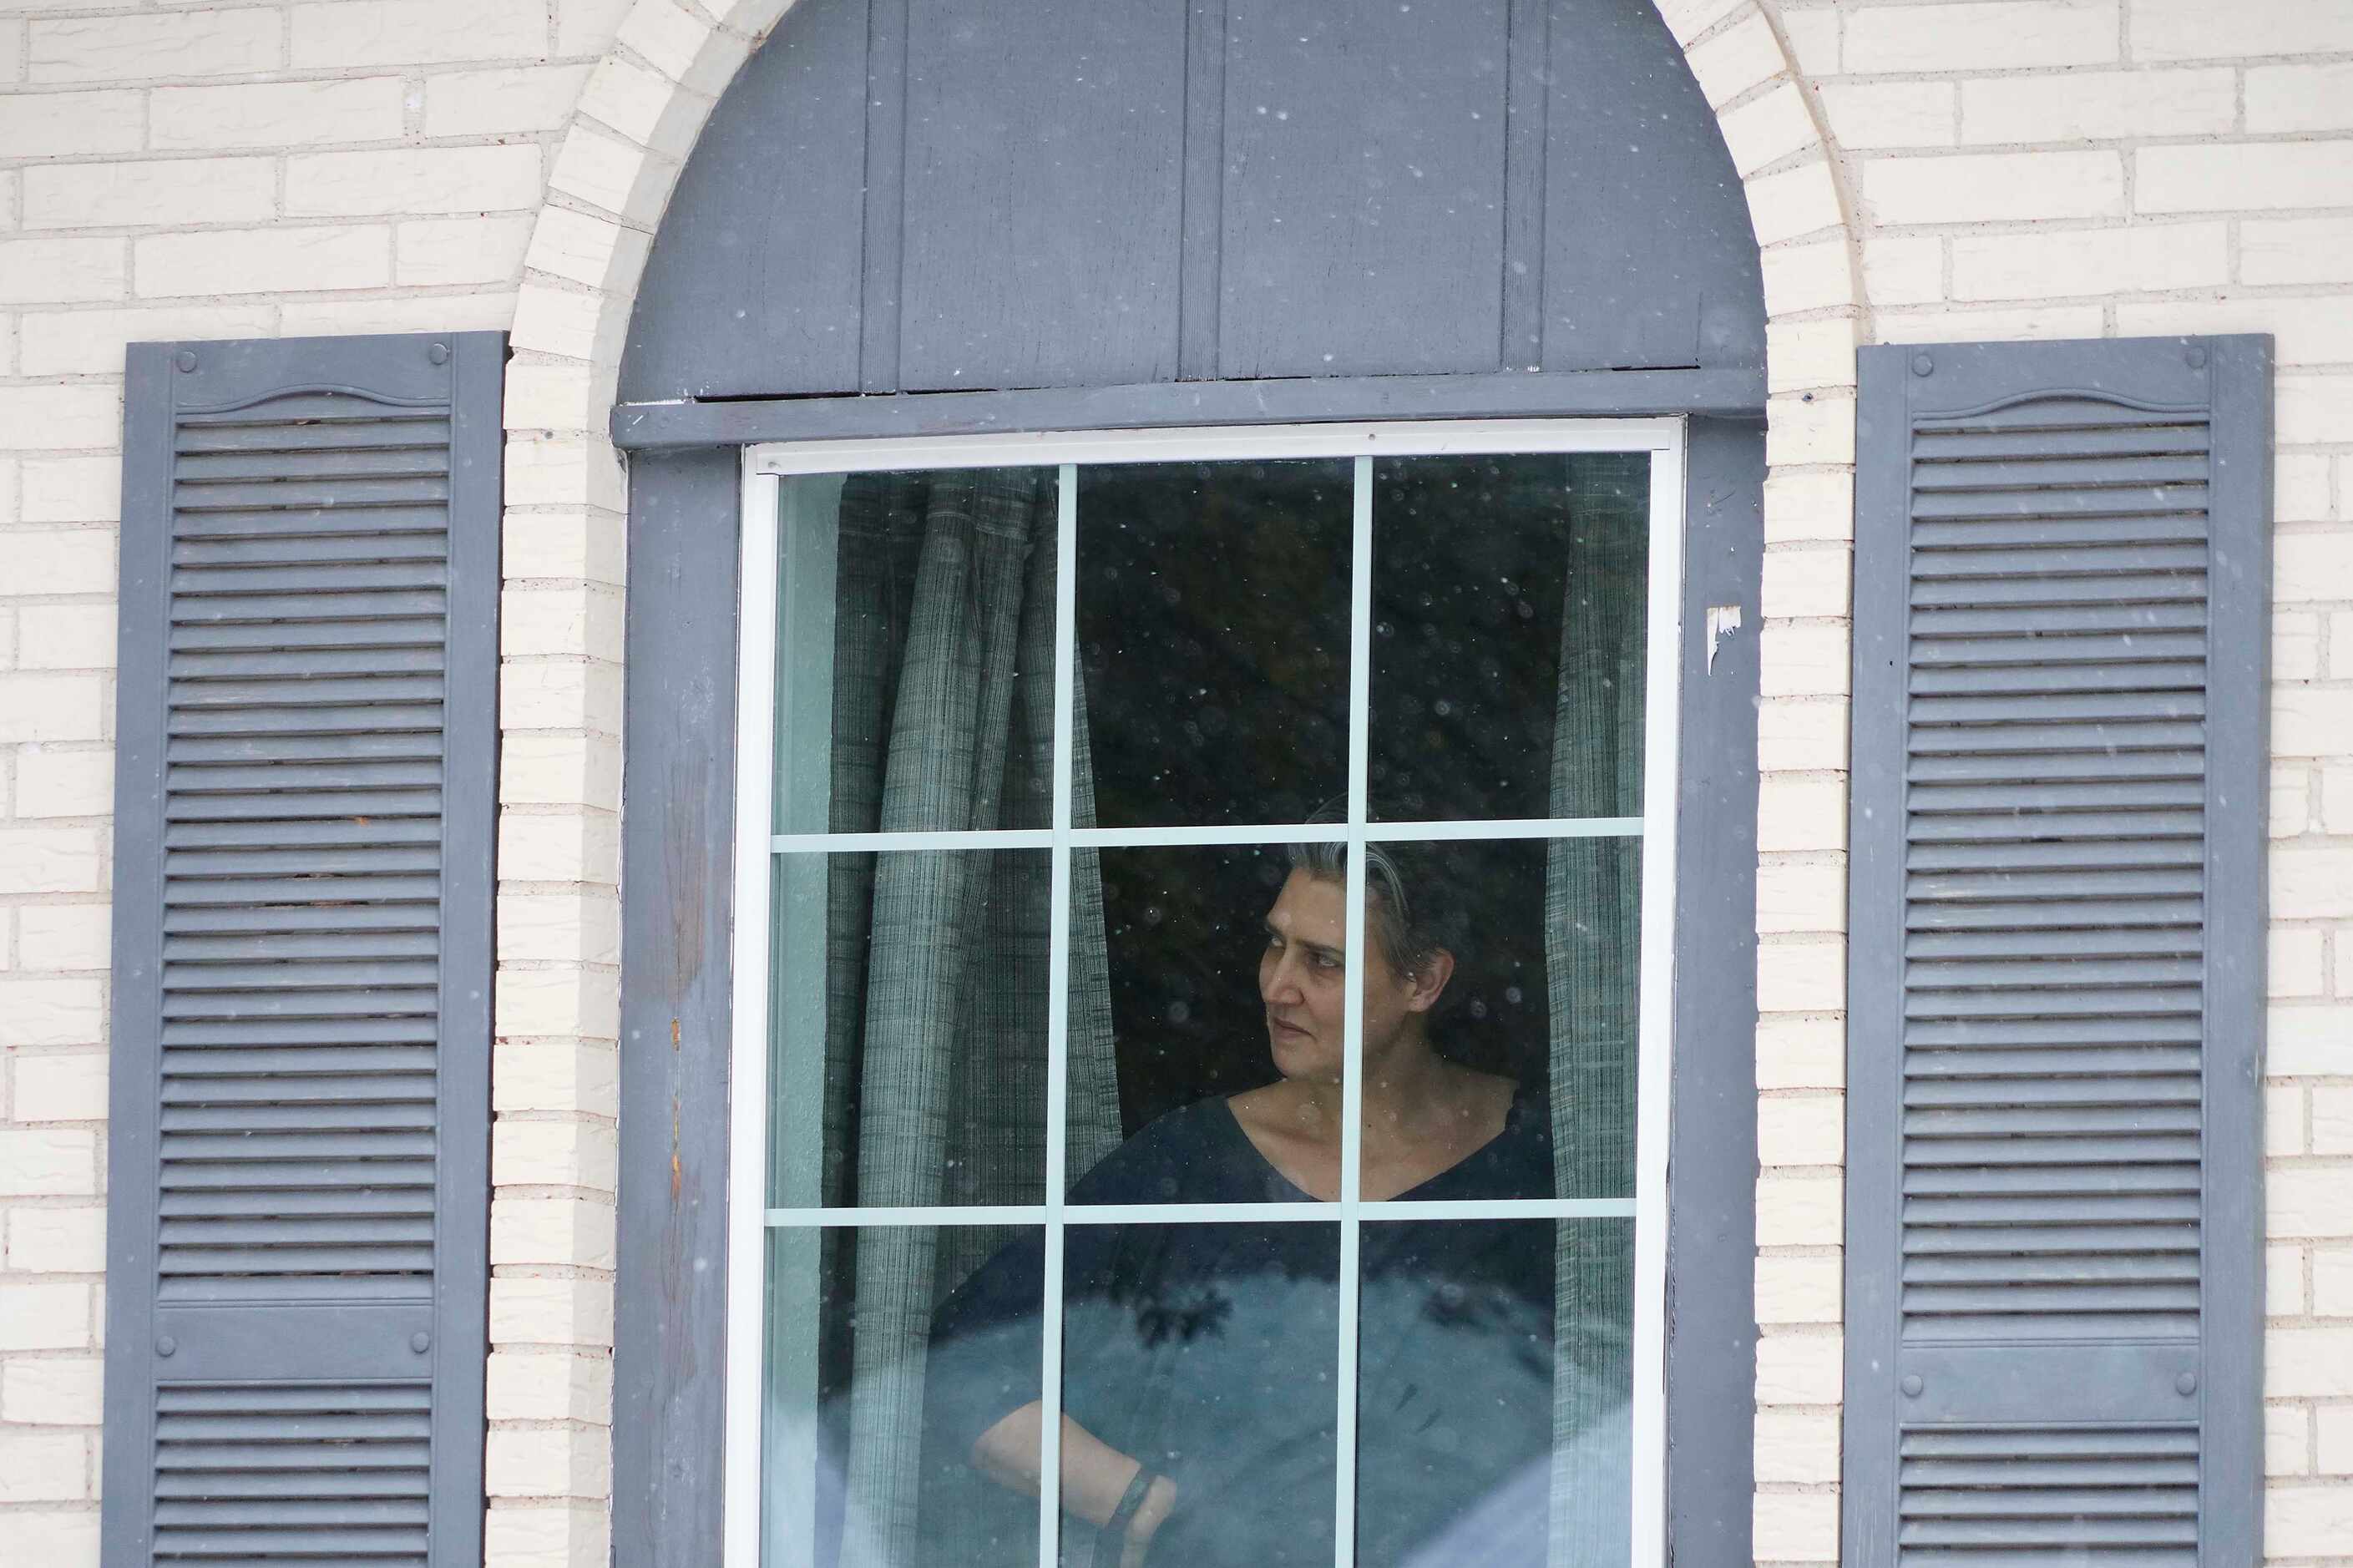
1592	928
934	1085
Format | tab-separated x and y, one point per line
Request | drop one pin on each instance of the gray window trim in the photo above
1614	393
676	999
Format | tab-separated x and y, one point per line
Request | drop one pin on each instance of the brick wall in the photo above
2066	168
1916	169
348	166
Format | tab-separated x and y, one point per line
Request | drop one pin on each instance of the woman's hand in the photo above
1150	1515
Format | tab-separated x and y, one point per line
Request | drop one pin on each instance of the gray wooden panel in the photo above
1712	1154
2237	838
670	426
297	1228
2054	1191
676	906
1364	194
754	283
1044	145
1874	1002
1649	259
914	194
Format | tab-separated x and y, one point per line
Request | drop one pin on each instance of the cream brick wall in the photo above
287	169
1916	169
2041	168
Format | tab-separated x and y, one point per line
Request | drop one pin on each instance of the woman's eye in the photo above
1325	961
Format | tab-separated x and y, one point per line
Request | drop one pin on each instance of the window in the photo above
1108	802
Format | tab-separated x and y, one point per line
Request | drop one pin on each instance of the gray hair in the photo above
1405	946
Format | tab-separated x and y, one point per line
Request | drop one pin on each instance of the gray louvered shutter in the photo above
297	1249
2054	1225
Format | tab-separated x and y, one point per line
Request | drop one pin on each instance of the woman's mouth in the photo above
1281	1027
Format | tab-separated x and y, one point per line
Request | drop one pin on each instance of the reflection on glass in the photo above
1198	1387
910	1009
872	1392
1508	616
1213	638
915	628
1165	1013
1494	1387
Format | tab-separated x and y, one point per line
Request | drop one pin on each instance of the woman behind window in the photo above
1198	1359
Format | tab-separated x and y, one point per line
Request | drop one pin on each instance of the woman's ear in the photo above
1429	979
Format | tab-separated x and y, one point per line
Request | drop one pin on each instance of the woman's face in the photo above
1303	981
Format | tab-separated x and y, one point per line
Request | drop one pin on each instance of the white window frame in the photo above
764	471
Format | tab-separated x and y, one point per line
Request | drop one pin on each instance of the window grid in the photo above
759	848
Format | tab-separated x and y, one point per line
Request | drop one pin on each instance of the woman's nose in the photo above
1282	983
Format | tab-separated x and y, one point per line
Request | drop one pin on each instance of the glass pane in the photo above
1213	637
915	627
1209	1353
1457	1031
894	1354
909	1013
1500	1018
1509	599
1493	1392
1207	1013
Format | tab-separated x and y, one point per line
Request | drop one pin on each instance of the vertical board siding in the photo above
895	195
757	276
298	1246
1044	151
1363	188
2039	1065
678	893
1649	261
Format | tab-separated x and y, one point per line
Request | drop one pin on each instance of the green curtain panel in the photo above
1592	961
937	964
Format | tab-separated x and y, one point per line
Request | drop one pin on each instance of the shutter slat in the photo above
421	460
268	522
2058	530
302	915
305	664
286	638
2057	626
2129	440
393	491
342	435
354	607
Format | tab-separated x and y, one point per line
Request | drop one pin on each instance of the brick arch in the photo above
639	117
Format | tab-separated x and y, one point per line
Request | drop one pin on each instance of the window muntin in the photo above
1625	1229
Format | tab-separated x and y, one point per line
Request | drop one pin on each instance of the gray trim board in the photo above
1614	393
1712	1137
1874	970
677	908
2238	765
677	1010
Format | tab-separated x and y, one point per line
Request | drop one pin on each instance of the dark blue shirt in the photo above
1209	1351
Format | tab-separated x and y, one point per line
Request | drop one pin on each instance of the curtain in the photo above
934	1087
1592	925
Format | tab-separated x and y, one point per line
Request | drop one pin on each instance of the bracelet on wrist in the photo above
1111	1544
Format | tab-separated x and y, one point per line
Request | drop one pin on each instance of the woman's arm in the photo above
1095	1474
